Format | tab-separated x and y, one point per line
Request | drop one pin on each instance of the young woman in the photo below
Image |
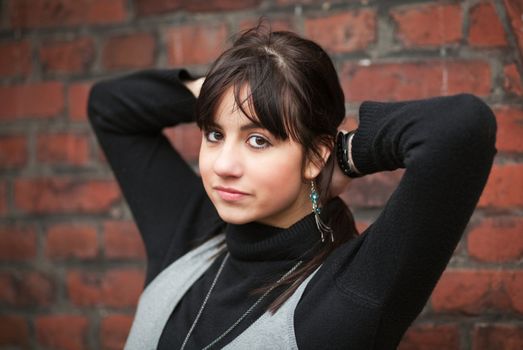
259	252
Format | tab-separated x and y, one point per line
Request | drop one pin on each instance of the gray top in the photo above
161	296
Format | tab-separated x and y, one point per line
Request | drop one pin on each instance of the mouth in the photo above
229	194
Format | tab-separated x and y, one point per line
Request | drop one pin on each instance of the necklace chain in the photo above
205	301
245	314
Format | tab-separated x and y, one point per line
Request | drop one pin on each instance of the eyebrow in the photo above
248	126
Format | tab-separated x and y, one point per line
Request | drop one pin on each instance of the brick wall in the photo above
72	263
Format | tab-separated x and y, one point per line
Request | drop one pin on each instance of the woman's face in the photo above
250	175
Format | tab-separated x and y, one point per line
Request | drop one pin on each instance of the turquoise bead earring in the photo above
322	227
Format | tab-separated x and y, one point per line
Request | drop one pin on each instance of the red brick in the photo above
219	5
510	129
514	288
512	82
38	288
67	332
71	241
400	81
362	225
3	197
306	2
479	291
60	13
7	289
65	195
349	123
428	25
114	331
466	76
485	28
276	24
343	32
77	95
17	243
122	240
211	41
73	56
13	151
431	337
26	289
372	191
497	336
100	155
115	288
15	58
150	7
42	100
14	331
497	239
514	9
504	187
186	139
129	51
63	148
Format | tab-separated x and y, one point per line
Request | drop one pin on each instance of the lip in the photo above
230	194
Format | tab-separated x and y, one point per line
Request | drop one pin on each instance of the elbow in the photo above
102	105
97	97
477	122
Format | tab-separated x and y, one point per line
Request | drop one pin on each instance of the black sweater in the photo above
370	289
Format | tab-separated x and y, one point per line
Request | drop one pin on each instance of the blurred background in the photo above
71	259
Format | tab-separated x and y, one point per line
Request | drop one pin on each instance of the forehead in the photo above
228	112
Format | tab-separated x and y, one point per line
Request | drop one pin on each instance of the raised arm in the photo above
447	145
165	196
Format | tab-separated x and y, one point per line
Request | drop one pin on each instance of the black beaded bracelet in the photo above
344	156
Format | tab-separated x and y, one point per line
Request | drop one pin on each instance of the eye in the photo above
213	136
258	141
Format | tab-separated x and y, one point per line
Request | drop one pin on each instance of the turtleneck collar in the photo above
259	242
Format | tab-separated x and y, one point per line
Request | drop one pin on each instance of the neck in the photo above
257	241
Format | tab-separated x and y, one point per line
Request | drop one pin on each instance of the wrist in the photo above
344	154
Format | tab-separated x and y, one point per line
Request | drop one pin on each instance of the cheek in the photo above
276	178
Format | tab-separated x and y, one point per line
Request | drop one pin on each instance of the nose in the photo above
228	161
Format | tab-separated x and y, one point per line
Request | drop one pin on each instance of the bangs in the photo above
260	92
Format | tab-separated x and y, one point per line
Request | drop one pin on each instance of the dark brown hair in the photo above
294	93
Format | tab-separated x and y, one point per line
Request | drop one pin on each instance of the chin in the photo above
235	219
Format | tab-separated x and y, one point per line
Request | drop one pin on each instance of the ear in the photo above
313	167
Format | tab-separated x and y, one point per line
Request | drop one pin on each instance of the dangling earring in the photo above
322	227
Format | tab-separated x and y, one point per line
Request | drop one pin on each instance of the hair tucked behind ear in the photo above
294	93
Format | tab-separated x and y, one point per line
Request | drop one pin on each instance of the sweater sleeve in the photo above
165	196
447	146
